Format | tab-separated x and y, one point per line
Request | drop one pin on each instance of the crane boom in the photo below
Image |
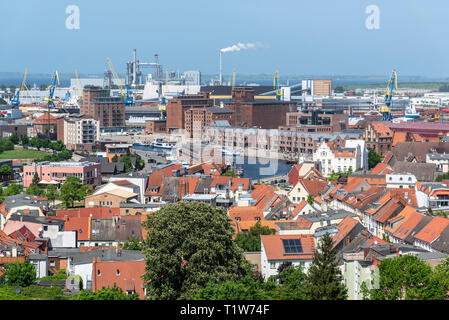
16	100
392	87
125	94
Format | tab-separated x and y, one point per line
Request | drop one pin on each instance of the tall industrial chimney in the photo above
134	67
221	69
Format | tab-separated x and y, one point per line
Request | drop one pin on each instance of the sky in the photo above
295	37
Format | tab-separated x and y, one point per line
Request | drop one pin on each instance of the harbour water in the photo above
253	168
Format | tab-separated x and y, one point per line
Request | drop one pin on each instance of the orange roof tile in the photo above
344	227
433	229
382	129
275	250
79	224
245	213
399	137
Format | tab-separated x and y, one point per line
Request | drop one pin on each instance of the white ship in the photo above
162	144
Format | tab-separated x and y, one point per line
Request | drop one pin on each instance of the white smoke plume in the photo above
241	46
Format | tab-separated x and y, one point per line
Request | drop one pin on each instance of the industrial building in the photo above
316	120
250	112
97	103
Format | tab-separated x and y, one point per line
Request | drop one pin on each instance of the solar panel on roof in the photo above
292	246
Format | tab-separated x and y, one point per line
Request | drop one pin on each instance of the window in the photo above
272	265
98	272
45	228
117	272
52	263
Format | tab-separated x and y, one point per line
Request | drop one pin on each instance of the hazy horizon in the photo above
321	37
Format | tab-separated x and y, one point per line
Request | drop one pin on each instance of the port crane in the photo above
276	86
392	87
51	92
125	92
16	100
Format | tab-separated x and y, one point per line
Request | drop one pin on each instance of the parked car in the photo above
5	184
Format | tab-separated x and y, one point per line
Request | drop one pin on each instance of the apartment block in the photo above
58	172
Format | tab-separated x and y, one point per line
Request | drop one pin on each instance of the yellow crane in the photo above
16	100
117	79
125	93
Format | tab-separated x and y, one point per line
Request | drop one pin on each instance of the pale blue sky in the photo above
319	37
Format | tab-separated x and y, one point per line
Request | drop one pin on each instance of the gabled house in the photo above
306	187
277	249
305	170
431	232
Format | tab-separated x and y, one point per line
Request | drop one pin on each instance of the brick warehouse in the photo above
261	113
98	104
177	107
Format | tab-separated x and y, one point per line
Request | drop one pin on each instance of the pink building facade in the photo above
52	172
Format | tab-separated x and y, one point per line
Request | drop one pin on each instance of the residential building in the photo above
57	172
80	132
277	249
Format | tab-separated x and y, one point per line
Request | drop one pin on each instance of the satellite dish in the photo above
17	290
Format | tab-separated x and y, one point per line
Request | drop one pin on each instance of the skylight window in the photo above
292	246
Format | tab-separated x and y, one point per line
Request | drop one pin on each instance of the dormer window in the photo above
237	219
257	218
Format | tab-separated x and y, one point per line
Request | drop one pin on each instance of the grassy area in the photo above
33	292
22	154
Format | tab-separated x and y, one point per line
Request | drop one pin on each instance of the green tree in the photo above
408	278
73	190
6	144
112	293
13	189
20	274
35	190
373	158
245	289
134	243
14	138
339	89
127	161
310	199
25	140
250	241
51	193
57	146
324	279
114	158
229	173
189	245
35	180
5	170
293	281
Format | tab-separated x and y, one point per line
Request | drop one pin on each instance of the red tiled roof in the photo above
220	180
433	229
236	181
344	227
87	212
275	250
399	137
125	274
382	129
245	213
79	224
313	187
